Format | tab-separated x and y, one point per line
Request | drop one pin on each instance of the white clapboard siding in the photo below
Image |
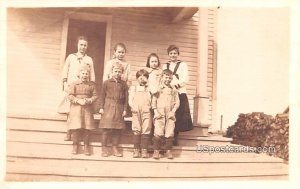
34	39
34	47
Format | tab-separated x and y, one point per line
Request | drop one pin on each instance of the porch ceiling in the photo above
179	13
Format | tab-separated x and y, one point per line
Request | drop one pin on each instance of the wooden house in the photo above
38	41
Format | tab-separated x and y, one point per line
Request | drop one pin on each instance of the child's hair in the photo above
117	65
84	68
120	45
142	72
148	59
82	37
172	47
167	72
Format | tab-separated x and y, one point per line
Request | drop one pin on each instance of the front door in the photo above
95	32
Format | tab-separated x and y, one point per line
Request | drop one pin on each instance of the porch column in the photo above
201	100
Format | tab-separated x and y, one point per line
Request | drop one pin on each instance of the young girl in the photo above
118	57
179	81
140	103
72	64
154	70
82	94
113	105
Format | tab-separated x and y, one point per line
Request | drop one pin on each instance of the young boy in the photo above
165	103
82	94
140	103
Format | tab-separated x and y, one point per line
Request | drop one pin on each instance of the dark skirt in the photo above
183	115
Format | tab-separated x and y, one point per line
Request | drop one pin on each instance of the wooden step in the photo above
57	138
133	169
36	152
60	127
20	177
59	151
53	137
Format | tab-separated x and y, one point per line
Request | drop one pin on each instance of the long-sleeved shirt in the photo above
72	66
182	73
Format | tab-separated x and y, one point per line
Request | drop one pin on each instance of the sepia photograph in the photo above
147	93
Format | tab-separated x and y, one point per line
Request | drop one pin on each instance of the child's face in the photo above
166	78
84	75
142	80
120	53
153	61
173	55
116	73
82	46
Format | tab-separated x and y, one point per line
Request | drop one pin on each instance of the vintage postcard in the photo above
150	91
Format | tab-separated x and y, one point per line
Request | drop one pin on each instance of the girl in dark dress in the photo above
113	106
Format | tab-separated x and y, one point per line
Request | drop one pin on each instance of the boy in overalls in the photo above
164	103
140	103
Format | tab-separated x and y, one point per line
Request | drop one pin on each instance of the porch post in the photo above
201	100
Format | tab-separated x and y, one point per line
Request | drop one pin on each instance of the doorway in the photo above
96	34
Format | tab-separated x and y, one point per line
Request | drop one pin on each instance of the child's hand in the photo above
101	111
171	115
157	115
81	102
88	101
124	113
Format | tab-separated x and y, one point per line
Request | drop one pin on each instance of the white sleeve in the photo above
184	76
107	71
92	72
65	70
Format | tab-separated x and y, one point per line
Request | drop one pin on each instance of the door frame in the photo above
85	17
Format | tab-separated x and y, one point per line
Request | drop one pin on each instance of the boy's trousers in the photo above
164	126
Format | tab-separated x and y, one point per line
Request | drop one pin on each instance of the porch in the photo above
36	152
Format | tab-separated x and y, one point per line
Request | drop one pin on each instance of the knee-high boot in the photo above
75	138
156	146
175	141
144	145
105	135
136	145
116	136
86	140
169	144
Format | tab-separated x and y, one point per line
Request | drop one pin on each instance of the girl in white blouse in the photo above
118	57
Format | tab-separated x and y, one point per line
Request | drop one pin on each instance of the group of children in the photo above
154	100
